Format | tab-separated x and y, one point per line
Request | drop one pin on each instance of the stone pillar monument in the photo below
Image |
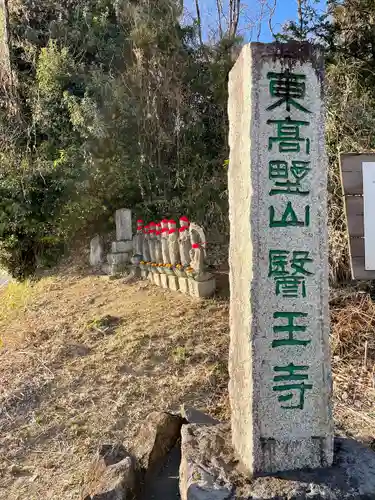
279	363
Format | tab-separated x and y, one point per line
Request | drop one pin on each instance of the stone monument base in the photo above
200	289
135	271
183	285
157	280
164	281
209	469
119	268
125	246
118	258
173	283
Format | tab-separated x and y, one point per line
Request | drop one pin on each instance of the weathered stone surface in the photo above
279	361
157	279
209	471
206	455
157	436
173	283
122	246
112	475
144	273
123	224
183	285
96	251
120	269
194	416
151	277
202	289
118	258
164	280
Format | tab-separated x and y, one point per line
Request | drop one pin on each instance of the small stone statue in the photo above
184	241
198	252
138	239
151	242
174	253
197	259
146	247
158	252
164	241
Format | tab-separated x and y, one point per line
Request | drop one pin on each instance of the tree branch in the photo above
199	21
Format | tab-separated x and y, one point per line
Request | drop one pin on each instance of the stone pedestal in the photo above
157	280
209	470
123	224
118	269
151	277
201	289
122	246
144	273
183	285
173	283
164	281
279	360
135	271
118	258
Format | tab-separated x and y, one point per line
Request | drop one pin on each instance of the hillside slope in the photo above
85	359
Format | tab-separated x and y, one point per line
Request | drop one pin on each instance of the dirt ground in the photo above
84	359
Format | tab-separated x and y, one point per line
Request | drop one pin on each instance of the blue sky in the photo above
250	26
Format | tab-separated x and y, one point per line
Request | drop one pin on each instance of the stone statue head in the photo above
184	221
152	230
139	226
172	224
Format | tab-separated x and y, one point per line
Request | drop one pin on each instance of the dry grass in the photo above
85	359
353	351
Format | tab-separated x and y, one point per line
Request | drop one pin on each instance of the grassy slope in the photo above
84	359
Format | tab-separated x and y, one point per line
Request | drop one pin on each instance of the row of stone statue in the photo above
164	243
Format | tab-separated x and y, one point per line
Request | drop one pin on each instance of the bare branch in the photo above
300	16
219	7
261	15
272	12
234	17
199	21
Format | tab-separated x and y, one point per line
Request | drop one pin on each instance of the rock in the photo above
157	436
112	476
206	455
194	416
111	454
352	477
209	470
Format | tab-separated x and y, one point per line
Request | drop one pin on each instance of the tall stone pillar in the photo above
280	375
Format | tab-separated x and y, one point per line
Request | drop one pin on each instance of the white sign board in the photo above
368	172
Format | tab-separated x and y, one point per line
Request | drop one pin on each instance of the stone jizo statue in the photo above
164	242
174	253
184	241
146	246
152	234
138	239
198	252
158	252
